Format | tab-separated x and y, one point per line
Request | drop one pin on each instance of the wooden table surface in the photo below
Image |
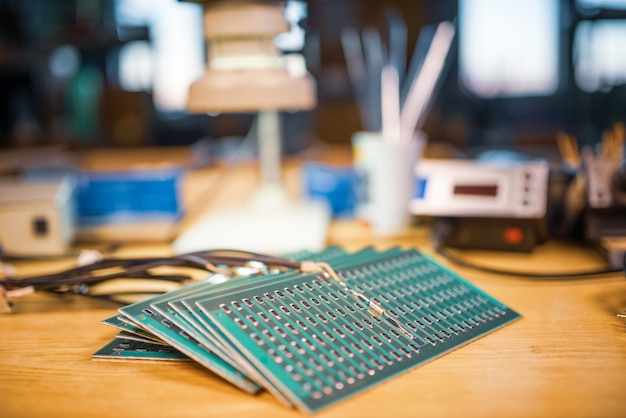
565	358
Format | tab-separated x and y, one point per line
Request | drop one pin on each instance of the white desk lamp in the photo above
246	73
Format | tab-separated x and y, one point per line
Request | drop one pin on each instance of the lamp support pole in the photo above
269	141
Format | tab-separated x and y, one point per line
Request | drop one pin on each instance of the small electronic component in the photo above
325	329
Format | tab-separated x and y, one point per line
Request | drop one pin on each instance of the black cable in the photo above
85	274
528	275
247	256
111	296
442	229
138	268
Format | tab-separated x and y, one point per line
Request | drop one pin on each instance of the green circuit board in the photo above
308	339
155	323
124	349
127	330
318	344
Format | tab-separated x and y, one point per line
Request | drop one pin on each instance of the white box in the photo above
36	218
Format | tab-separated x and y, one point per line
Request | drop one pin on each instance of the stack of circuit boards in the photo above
306	339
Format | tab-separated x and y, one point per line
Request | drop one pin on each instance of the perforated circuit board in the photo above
310	341
318	344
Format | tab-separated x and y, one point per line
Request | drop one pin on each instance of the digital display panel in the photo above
489	190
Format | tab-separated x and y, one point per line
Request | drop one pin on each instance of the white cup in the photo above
385	170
